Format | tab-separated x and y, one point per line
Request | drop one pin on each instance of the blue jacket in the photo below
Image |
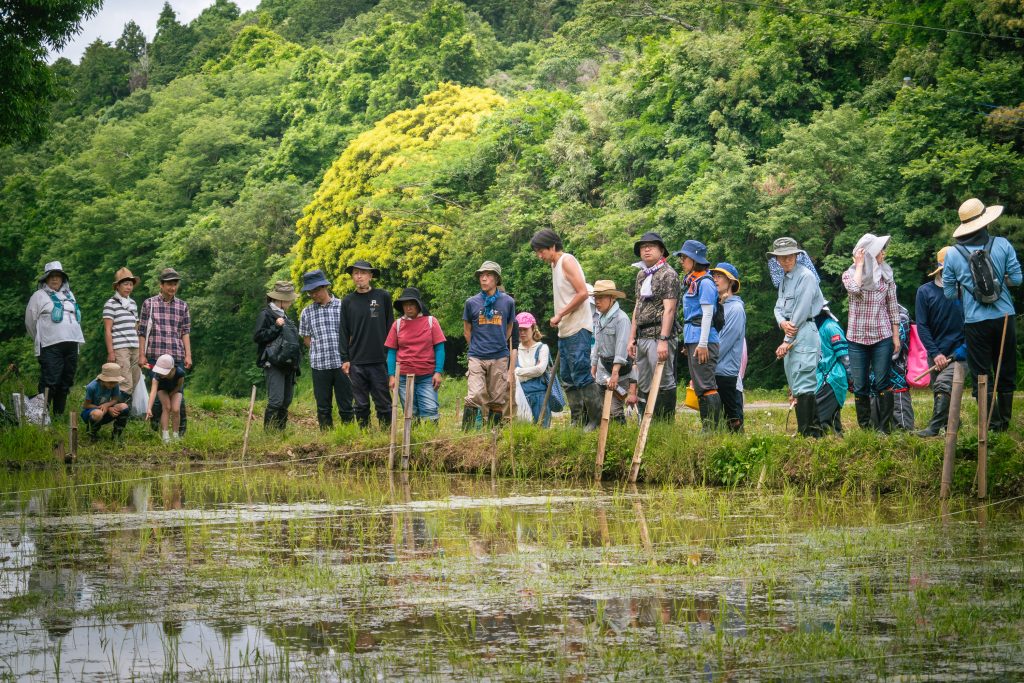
940	321
955	272
732	338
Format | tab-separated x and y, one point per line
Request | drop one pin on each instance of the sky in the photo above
109	22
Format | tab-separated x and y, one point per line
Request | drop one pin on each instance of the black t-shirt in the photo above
365	322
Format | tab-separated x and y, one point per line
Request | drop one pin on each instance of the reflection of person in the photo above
366	319
271	322
609	361
120	329
416	344
532	371
799	301
732	344
53	320
319	326
487	320
105	402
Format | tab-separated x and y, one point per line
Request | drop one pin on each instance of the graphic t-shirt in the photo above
489	339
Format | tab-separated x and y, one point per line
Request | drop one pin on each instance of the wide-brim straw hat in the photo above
489	267
50	268
607	288
363	265
283	290
123	274
974	216
785	246
940	258
111	372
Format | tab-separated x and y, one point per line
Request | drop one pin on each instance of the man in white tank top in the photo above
575	325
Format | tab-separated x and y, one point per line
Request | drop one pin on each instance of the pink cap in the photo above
526	319
163	366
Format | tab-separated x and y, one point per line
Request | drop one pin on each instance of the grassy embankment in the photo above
767	455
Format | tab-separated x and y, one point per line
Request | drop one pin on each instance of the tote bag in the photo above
917	361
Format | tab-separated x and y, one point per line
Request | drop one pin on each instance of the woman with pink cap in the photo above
531	371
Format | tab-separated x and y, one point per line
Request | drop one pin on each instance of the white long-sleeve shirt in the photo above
529	367
40	326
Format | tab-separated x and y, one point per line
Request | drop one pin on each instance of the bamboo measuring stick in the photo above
73	435
513	358
394	419
547	393
952	425
999	367
602	437
982	436
410	383
645	424
248	421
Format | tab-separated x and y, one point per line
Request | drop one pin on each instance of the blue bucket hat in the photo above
728	270
695	250
314	279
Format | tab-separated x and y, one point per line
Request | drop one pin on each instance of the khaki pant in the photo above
128	360
487	383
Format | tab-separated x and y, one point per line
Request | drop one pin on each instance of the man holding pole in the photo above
978	270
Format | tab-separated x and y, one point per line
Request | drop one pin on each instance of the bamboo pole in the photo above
248	422
645	423
47	422
982	436
952	425
73	435
410	385
513	357
999	368
551	380
602	437
394	419
494	452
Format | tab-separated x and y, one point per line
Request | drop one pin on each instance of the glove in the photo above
960	353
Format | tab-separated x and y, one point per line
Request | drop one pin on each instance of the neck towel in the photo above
646	291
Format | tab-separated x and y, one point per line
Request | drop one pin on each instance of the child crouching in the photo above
105	402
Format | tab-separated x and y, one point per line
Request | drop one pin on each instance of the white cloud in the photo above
109	22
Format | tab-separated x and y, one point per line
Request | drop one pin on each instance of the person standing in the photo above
575	324
366	319
165	327
610	362
732	345
653	332
320	327
940	326
487	320
53	320
988	306
798	302
415	345
832	372
280	362
872	331
532	371
120	330
700	297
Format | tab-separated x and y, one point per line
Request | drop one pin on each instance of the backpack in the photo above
987	284
285	351
718	317
917	361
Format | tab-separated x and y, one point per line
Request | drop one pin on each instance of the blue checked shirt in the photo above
322	325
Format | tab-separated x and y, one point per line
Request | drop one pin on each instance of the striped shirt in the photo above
322	324
125	313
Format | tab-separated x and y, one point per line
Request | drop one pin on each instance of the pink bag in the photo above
917	361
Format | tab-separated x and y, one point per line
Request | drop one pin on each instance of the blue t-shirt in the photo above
698	291
489	339
97	394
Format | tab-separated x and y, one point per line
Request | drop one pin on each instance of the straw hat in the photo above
974	216
123	274
607	288
940	258
283	290
111	373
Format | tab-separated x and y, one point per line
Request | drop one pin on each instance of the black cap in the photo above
649	238
363	265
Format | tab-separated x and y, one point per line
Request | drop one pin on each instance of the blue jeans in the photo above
535	397
574	366
424	398
866	359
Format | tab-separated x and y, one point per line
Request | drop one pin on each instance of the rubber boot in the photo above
468	418
282	418
93	431
863	406
714	410
593	399
940	416
1002	412
269	419
120	422
60	400
886	406
494	419
665	408
574	397
184	418
807	416
734	425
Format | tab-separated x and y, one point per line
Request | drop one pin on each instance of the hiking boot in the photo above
734	425
593	397
940	416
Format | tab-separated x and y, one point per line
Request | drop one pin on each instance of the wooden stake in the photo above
46	408
551	381
602	436
73	435
494	451
952	425
645	423
248	422
410	385
982	436
513	358
394	419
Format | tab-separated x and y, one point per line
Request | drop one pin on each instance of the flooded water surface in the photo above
270	574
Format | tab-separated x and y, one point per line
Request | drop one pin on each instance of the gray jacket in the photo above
611	340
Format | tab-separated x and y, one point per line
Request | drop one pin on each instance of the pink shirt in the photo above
415	343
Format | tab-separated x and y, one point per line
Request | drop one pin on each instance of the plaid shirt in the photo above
872	313
163	324
322	324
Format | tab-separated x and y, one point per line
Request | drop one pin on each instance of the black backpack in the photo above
987	284
285	351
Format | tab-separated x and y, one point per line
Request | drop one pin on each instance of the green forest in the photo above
427	136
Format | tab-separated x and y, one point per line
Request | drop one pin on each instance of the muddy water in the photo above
109	575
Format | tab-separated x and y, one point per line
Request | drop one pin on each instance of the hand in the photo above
701	354
940	362
662	350
345	367
632	399
782	350
115	410
631	349
613	380
142	360
111	358
391	383
149	413
896	346
593	371
279	322
555	320
789	328
188	361
438	378
858	257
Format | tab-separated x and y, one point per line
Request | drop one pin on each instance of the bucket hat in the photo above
283	290
974	216
526	319
728	270
313	279
123	274
363	265
163	366
111	373
784	246
169	275
410	294
607	288
940	258
650	237
52	267
695	250
491	267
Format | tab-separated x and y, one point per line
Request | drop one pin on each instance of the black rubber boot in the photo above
60	400
269	419
886	406
120	422
863	406
940	416
468	418
665	408
734	425
807	416
93	431
714	410
494	419
593	399
1002	412
574	399
282	418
